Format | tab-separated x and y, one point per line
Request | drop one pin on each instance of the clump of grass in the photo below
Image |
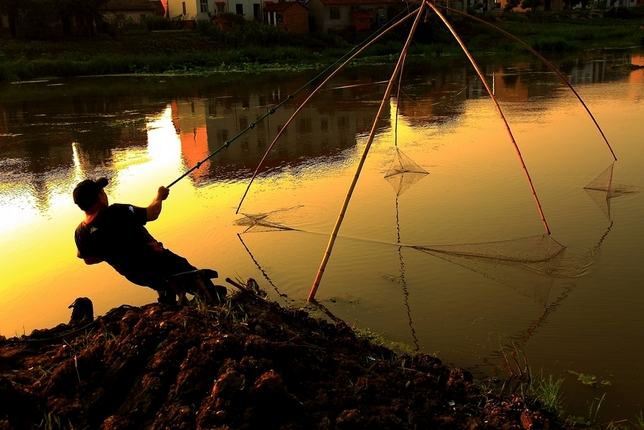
379	339
548	392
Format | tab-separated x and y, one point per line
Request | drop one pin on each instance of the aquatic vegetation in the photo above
593	412
590	380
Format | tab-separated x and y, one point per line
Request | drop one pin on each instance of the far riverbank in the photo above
258	47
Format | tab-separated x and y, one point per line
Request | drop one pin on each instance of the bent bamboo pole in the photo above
315	91
498	108
546	62
336	228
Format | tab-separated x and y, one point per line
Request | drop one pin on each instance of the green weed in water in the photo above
590	380
591	419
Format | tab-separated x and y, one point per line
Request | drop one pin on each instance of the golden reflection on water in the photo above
475	191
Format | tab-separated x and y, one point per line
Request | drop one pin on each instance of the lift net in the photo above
403	172
527	265
528	279
270	221
531	249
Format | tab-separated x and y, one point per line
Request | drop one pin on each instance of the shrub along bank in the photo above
253	46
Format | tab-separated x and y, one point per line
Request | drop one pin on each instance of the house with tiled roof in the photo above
290	15
339	15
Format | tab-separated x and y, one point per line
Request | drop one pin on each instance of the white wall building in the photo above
206	9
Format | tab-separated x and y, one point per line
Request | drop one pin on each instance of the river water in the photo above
576	316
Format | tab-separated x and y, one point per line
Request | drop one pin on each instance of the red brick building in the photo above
290	15
361	20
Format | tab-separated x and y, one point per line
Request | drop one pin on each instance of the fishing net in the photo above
527	250
264	222
529	283
259	223
528	265
403	172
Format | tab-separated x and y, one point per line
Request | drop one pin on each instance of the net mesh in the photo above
264	222
403	172
529	250
529	283
529	265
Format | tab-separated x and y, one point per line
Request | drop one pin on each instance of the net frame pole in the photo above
498	108
313	93
546	62
336	228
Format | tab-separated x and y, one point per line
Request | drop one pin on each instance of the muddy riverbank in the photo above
247	363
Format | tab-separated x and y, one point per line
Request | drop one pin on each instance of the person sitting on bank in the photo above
117	235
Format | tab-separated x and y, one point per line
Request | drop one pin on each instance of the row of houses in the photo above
294	16
298	17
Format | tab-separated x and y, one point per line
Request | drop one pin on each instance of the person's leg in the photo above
170	264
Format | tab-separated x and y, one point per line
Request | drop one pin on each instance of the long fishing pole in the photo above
498	108
546	62
336	228
271	111
315	91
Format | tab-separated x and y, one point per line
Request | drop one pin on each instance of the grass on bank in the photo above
252	47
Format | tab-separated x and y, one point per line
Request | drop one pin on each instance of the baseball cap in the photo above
86	192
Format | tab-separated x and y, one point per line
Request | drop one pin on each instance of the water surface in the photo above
578	313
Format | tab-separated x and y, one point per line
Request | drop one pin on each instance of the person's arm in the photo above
154	210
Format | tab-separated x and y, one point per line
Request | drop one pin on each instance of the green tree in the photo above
511	4
534	4
87	12
31	19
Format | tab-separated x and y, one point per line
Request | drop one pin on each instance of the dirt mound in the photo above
246	364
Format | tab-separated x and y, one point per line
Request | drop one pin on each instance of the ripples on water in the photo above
145	132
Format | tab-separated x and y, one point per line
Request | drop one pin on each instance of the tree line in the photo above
40	18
